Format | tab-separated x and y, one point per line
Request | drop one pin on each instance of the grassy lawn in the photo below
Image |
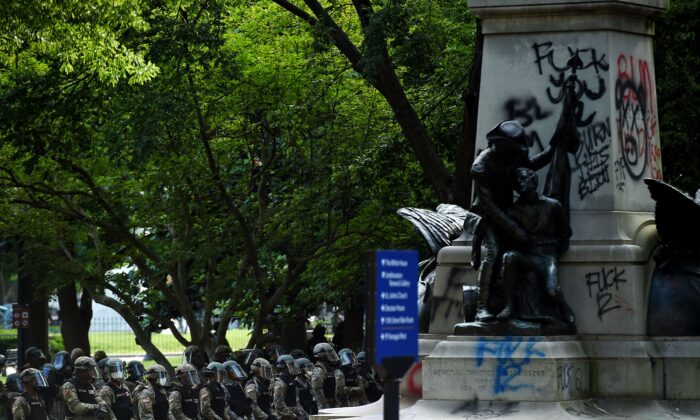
125	343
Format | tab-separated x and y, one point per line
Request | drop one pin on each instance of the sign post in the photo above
20	316
392	319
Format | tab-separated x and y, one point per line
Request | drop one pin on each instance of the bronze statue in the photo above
493	173
548	231
674	295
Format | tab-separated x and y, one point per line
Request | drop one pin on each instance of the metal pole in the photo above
391	399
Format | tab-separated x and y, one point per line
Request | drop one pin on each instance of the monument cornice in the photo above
521	16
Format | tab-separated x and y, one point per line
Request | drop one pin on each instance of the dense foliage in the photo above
221	159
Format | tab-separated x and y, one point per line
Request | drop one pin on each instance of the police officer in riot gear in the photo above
184	396
323	384
114	392
13	388
61	362
135	370
303	384
80	396
195	356
350	388
29	405
374	388
213	403
151	397
285	398
258	389
238	402
223	353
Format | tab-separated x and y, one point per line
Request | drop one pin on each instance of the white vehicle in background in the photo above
6	316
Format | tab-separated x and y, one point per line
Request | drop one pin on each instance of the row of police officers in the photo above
224	390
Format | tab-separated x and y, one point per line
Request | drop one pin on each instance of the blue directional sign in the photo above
396	304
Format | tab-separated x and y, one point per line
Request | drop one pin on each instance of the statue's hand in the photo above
521	235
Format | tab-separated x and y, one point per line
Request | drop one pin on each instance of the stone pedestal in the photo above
507	368
529	46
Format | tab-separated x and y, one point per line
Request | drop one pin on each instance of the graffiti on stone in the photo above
509	367
636	118
602	284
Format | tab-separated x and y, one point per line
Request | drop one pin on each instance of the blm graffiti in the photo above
592	160
636	120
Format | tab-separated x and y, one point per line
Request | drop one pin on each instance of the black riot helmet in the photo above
49	372
14	383
61	361
234	370
135	369
34	356
347	358
252	355
223	353
195	356
285	365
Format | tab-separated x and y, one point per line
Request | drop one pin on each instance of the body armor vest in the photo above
329	386
264	397
218	400
239	403
189	401
306	398
36	407
161	407
350	377
290	396
122	408
373	393
86	394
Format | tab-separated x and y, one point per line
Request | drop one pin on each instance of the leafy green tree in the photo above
677	67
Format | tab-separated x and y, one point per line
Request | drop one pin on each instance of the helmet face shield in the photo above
94	371
161	378
40	380
16	383
115	371
331	355
293	368
47	370
235	369
266	372
190	377
60	361
33	377
221	376
347	359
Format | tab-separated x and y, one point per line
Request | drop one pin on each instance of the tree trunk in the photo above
75	318
354	325
467	145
